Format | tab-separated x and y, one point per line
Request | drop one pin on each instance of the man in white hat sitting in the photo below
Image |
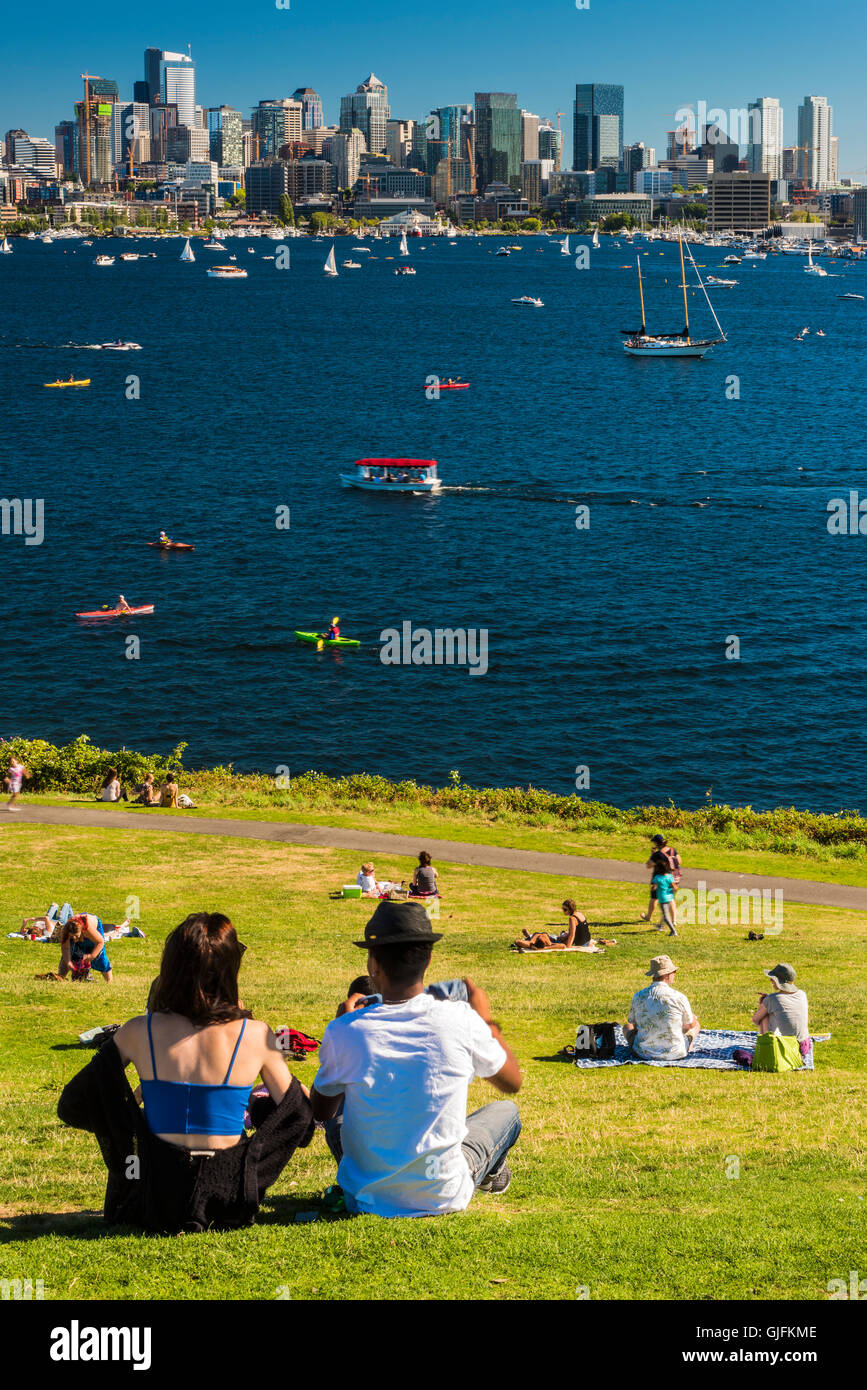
661	1026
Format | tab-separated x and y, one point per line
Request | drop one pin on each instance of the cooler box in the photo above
351	890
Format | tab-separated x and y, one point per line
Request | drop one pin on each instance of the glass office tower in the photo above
597	127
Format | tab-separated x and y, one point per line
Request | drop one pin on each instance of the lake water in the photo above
607	646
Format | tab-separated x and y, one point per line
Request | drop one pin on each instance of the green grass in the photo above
619	1177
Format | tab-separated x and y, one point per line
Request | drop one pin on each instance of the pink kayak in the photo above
118	612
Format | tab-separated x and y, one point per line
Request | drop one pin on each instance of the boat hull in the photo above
431	485
314	638
676	350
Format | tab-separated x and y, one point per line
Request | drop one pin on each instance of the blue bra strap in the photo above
235	1053
151	1041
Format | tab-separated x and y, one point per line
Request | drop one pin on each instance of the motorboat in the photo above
503	251
529	299
104	260
226	272
129	255
394	475
850	296
352	265
405	270
715	280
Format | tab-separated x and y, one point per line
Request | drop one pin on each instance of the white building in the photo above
178	81
202	171
765	146
815	120
346	151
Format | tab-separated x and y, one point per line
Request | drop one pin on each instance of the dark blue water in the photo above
607	646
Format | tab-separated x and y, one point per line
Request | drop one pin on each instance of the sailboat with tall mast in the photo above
640	343
564	247
404	249
330	266
187	253
595	241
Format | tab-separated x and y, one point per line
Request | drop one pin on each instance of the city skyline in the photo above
283	50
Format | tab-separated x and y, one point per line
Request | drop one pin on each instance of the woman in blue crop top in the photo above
198	1052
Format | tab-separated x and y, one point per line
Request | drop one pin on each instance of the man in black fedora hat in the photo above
402	1066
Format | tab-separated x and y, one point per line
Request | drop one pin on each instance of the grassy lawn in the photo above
722	852
620	1177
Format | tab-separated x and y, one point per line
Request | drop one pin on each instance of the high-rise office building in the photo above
65	145
346	150
550	144
187	142
152	76
312	115
765	148
529	136
637	157
276	122
178	85
225	136
597	126
716	145
498	140
833	171
739	202
398	141
367	109
815	122
136	127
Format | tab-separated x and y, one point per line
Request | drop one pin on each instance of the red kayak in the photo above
170	545
118	612
452	386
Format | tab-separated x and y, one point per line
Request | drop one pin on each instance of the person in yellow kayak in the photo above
333	632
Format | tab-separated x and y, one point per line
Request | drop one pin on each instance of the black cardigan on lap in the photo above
159	1187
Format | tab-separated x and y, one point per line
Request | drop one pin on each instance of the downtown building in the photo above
226	136
498	140
597	126
765	148
815	122
312	112
274	123
739	202
366	109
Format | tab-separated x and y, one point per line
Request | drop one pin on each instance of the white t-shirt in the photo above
111	792
366	882
403	1070
659	1012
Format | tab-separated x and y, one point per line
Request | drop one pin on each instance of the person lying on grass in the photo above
401	1069
575	933
661	1024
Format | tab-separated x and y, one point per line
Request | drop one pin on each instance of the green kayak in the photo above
315	638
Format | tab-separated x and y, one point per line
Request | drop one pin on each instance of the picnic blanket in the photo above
712	1051
540	950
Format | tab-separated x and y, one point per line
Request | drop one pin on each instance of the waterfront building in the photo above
266	182
601	205
366	109
597	126
311	178
498	139
417	215
859	213
383	180
815	122
225	135
312	115
657	182
765	148
739	202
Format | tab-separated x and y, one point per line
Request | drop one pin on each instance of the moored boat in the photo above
226	272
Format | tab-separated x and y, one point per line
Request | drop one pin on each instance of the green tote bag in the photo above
776	1053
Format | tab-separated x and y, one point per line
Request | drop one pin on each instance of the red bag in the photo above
298	1045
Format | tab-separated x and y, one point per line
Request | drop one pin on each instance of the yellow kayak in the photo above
84	382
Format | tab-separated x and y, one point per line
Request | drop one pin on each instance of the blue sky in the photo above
667	54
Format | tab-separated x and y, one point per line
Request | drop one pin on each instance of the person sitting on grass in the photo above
402	1068
661	1024
82	948
786	1011
147	793
575	933
424	882
111	788
366	881
198	1054
169	792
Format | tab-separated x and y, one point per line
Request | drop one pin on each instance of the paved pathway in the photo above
367	842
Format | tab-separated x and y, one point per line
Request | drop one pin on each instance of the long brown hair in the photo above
199	971
73	928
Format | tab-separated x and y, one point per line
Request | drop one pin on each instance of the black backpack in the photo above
595	1040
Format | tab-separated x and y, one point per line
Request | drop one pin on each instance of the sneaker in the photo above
671	931
497	1183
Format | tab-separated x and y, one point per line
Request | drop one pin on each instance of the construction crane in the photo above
558	114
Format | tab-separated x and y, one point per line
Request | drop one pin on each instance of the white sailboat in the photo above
564	248
187	253
811	269
331	264
595	241
640	343
6	249
404	249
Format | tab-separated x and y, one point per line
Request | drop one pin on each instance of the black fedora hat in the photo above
396	924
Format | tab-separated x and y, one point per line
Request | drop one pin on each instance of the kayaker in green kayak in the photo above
333	632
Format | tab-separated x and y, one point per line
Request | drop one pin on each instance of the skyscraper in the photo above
224	136
346	150
597	127
529	137
398	141
153	76
815	120
366	109
178	85
765	148
276	122
312	116
498	139
550	144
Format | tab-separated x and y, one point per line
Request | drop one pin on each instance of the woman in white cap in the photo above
784	1012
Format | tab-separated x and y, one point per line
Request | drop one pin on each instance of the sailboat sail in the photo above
6	248
187	253
595	237
564	248
640	343
331	264
404	249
